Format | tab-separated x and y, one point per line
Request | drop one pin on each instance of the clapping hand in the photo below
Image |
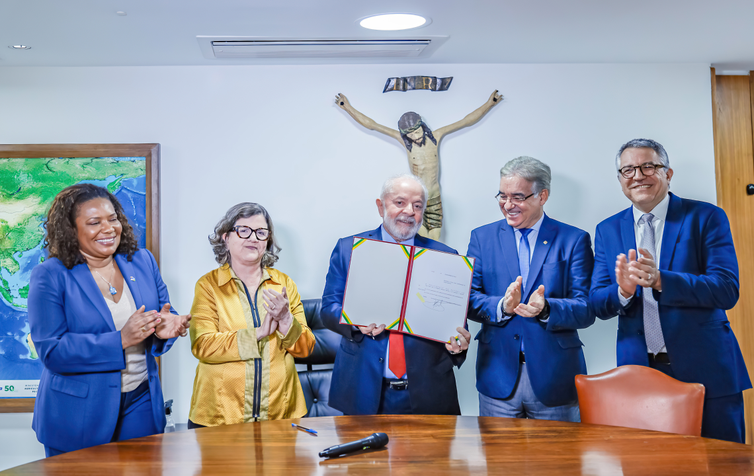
512	296
644	271
138	327
278	308
535	305
172	325
269	326
631	272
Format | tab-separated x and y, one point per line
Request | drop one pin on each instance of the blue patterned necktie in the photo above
652	328
523	257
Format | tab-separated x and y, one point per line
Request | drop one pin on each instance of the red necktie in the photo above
397	363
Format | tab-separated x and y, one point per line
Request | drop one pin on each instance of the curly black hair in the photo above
62	236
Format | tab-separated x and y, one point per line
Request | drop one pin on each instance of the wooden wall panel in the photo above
734	165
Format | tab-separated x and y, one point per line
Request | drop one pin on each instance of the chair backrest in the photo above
328	341
316	383
641	397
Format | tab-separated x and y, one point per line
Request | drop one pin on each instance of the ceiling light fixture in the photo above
393	21
19	47
121	13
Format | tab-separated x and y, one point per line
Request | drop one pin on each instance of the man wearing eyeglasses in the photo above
670	296
379	371
530	292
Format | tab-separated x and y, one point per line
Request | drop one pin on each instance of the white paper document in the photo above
407	288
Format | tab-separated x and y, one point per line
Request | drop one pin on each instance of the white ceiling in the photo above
164	32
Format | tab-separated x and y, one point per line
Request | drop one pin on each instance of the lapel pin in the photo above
544	242
133	279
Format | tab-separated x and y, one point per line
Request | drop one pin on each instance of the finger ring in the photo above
142	329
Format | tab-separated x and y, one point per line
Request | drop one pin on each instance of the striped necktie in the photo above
652	328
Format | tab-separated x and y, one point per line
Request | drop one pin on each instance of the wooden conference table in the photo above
425	445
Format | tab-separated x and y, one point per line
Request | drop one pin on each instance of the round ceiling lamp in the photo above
393	21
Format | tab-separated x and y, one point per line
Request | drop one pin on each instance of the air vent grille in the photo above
329	48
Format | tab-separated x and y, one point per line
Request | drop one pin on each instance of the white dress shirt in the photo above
136	360
660	212
532	237
387	373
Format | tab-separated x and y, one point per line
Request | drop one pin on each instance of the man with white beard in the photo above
373	368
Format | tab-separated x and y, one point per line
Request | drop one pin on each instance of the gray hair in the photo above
226	224
648	143
530	169
389	185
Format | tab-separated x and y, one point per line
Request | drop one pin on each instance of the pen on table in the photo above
303	428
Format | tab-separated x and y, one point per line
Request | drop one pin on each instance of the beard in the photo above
402	228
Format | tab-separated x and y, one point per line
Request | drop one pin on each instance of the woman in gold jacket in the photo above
247	326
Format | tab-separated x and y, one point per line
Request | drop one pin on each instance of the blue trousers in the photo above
723	417
394	402
135	417
524	404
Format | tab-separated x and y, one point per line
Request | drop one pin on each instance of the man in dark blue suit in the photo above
671	300
530	292
387	372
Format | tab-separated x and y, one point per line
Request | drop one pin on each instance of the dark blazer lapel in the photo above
507	239
423	242
673	222
375	234
372	234
89	288
127	270
627	232
545	237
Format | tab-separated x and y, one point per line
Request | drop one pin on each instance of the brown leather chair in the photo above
641	397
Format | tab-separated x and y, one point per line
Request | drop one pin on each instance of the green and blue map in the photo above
27	189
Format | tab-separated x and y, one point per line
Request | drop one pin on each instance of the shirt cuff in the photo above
500	316
624	301
248	347
546	312
294	332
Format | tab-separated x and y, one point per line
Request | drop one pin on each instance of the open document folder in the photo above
408	288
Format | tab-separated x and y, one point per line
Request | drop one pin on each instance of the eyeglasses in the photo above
244	232
515	199
647	169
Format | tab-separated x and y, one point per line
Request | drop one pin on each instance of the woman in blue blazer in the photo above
99	314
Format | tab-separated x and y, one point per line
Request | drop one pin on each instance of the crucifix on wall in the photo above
422	144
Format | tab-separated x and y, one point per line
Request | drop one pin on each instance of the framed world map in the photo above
30	177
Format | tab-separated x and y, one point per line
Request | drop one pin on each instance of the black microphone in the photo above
375	440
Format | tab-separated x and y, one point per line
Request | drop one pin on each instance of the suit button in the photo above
515	337
351	340
314	400
381	359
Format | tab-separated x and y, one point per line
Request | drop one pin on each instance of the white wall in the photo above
273	135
